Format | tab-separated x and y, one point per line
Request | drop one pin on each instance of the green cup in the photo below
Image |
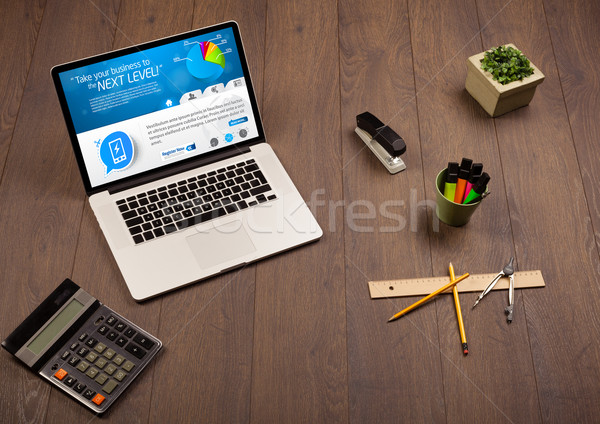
447	211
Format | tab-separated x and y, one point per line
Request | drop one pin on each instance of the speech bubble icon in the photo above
116	151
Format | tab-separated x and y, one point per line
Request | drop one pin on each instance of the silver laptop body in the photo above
173	157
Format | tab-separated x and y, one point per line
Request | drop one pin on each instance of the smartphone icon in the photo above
117	151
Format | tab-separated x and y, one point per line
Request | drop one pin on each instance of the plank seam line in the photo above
12	134
254	314
501	163
425	193
587	203
341	138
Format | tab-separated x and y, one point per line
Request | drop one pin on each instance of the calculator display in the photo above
55	327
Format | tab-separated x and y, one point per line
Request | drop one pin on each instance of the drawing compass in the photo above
507	271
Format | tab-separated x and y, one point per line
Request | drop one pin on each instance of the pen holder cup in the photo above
450	213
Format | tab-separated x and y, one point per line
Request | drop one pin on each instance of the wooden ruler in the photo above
475	283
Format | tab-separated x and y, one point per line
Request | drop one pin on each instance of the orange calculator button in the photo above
98	399
60	374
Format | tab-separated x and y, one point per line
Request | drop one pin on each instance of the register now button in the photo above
177	151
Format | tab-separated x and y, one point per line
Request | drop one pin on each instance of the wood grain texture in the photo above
203	374
41	195
544	231
95	269
207	328
296	338
18	34
299	361
397	364
479	387
575	38
250	16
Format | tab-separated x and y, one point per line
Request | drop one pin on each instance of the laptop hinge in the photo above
178	169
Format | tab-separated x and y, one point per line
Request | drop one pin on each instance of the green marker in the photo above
451	179
478	189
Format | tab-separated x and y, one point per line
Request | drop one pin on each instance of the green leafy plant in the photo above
506	64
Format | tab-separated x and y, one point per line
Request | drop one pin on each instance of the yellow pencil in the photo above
429	296
461	326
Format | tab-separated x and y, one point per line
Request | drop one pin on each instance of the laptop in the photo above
172	154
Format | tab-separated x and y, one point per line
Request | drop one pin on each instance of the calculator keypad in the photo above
135	350
100	347
79	387
83	366
102	359
91	342
60	374
98	399
101	363
82	351
89	393
70	381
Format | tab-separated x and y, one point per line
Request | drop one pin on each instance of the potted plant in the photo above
502	79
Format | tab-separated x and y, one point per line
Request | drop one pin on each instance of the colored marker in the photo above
478	189
451	179
476	171
461	184
466	163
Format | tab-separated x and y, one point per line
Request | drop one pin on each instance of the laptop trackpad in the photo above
221	244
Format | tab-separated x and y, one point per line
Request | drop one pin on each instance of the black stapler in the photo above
383	141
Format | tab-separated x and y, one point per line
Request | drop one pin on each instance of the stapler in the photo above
382	140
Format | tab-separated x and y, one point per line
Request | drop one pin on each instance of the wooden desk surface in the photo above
296	338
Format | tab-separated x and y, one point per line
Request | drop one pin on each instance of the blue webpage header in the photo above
150	80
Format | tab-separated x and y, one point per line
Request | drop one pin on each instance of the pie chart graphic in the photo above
206	61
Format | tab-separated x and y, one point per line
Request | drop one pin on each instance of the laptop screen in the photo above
149	106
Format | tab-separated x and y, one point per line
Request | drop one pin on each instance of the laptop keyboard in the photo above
195	200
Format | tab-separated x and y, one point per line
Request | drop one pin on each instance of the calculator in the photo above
82	347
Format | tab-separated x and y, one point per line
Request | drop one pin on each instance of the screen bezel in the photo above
58	69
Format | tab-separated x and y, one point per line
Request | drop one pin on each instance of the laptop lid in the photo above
159	106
